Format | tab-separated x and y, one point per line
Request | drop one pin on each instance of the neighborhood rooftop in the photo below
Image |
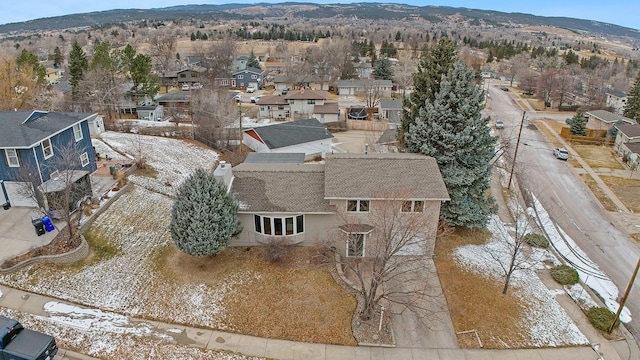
369	176
290	133
16	132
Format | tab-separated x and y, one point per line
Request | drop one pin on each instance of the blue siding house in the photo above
38	147
248	76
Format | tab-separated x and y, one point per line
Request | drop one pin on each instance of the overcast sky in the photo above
619	12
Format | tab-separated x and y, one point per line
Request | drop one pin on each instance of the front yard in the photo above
134	268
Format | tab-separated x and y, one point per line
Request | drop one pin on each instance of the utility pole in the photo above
624	298
515	154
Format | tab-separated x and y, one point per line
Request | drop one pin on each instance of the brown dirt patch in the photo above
296	299
598	156
475	301
627	190
606	202
59	245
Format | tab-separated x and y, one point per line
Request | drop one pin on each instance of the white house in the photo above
329	112
303	136
616	100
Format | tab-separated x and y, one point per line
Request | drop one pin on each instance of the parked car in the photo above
504	88
499	124
196	86
238	97
254	99
18	343
185	87
251	88
284	91
561	153
527	92
568	121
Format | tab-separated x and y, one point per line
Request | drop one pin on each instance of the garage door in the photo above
15	190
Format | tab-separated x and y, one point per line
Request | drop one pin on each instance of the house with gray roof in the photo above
302	136
627	143
336	201
616	100
36	146
391	109
604	120
360	87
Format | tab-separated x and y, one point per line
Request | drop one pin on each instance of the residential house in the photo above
195	74
248	76
360	87
240	63
153	112
616	100
604	120
313	82
274	107
392	110
36	146
336	201
303	136
172	102
627	143
274	158
326	113
303	102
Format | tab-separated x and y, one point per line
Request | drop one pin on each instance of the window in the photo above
47	150
311	101
12	157
84	159
413	206
254	76
355	245
77	132
358	205
240	76
288	225
183	75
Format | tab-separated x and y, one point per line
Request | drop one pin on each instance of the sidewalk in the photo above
289	350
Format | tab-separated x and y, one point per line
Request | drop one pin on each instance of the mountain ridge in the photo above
362	10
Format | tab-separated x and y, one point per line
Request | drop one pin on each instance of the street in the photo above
567	199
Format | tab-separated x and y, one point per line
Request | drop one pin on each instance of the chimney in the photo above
223	174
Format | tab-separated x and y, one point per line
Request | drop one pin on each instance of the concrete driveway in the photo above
17	234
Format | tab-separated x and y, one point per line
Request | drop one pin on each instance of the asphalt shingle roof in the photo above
292	133
307	95
630	130
391	104
16	133
297	188
608	117
375	176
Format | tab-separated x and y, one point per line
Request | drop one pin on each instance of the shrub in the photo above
565	274
536	240
276	249
601	318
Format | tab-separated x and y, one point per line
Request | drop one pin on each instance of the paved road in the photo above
568	200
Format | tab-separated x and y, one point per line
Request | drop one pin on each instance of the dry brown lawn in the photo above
554	125
598	156
627	190
599	194
538	105
296	299
475	301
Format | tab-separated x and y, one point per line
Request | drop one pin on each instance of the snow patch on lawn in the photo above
546	320
590	273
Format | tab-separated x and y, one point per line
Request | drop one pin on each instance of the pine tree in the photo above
632	109
57	57
451	129
204	217
253	62
78	65
434	65
383	69
578	124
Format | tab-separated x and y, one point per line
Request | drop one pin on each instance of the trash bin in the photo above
48	225
112	170
39	225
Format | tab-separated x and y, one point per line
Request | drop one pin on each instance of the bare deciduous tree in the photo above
163	51
386	258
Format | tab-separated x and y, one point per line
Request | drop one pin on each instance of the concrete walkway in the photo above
288	350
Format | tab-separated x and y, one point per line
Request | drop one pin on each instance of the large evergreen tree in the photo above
383	69
204	217
632	109
78	65
253	62
434	65
578	124
29	59
452	130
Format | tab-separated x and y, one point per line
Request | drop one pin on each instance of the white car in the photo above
499	124
561	153
255	99
185	87
251	88
238	97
